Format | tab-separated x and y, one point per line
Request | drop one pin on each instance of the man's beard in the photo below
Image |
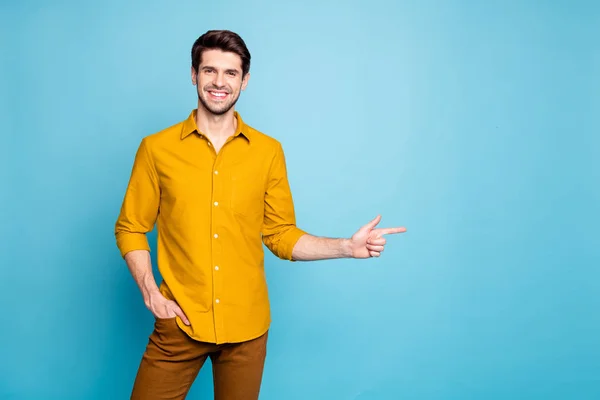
223	108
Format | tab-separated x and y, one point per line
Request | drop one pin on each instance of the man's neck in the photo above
217	127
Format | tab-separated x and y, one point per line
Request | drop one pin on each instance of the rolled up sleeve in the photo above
140	206
280	232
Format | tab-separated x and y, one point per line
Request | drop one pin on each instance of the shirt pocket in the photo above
247	191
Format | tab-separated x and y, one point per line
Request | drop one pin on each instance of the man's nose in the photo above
219	80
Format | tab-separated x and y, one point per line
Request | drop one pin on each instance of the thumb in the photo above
179	312
373	223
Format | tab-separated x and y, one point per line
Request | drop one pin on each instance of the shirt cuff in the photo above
288	241
127	242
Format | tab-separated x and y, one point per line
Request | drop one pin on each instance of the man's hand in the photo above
138	262
368	241
163	308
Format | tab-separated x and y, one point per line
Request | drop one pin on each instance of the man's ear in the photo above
194	76
245	81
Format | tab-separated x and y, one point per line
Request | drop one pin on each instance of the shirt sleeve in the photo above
139	209
280	232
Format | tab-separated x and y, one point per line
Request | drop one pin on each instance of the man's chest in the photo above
198	177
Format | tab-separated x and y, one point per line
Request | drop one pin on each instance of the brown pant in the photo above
172	361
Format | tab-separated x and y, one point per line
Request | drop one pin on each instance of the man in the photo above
217	190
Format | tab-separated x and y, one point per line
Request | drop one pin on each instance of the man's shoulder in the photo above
263	140
164	135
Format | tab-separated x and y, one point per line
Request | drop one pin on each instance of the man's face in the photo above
219	80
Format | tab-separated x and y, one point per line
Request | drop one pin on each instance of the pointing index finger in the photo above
387	231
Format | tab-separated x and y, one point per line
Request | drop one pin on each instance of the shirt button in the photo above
217	301
216	236
216	268
216	203
216	172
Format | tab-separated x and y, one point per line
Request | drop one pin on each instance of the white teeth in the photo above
218	94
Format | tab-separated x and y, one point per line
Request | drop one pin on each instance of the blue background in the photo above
474	125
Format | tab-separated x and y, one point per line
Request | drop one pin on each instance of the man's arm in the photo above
367	242
140	266
310	248
137	217
288	242
279	232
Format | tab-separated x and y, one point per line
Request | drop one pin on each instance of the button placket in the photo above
220	193
217	197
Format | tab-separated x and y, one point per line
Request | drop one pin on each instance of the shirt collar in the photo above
189	126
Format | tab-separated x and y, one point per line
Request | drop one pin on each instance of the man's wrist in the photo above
346	248
148	293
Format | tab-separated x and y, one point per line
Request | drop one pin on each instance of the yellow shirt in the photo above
213	213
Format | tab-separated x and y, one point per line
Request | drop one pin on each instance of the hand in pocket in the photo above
163	308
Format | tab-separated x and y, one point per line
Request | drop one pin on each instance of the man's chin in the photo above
216	110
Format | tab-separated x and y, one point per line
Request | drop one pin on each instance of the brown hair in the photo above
223	40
